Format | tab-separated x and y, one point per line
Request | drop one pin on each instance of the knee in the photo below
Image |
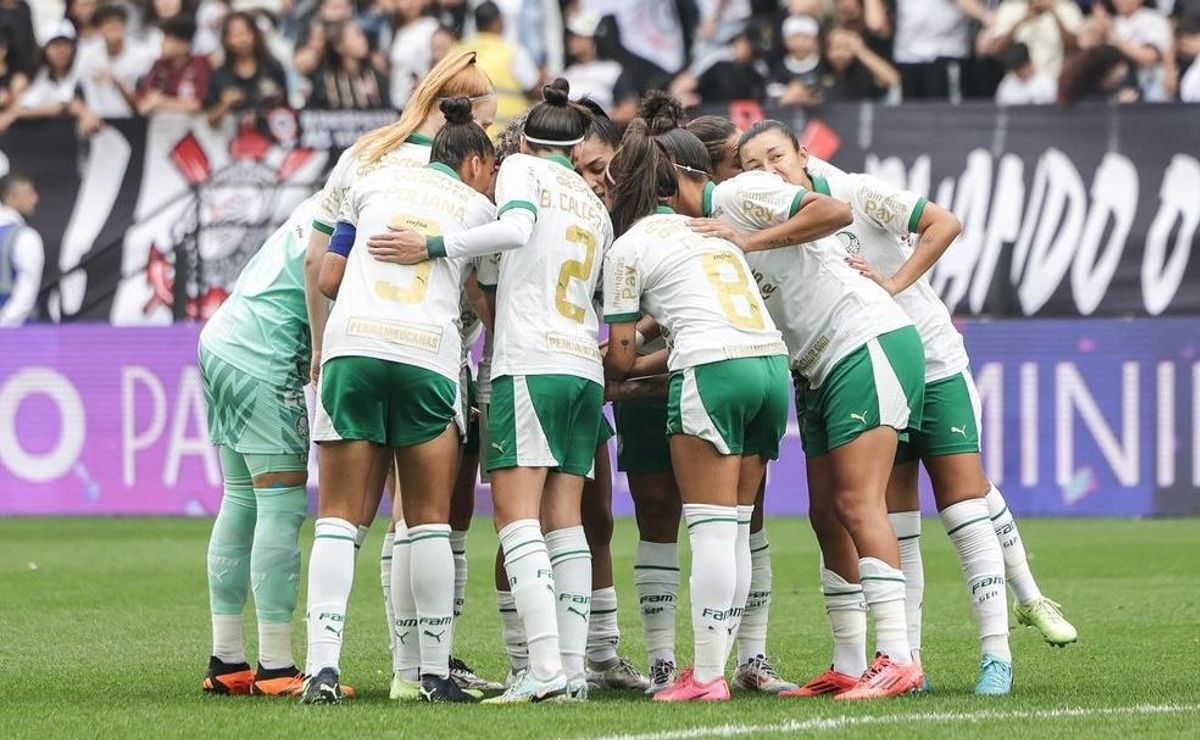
854	513
597	525
658	519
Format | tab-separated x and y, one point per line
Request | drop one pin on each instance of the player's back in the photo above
546	322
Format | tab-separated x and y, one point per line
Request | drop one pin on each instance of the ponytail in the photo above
644	176
457	75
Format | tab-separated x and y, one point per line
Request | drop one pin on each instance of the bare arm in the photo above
884	73
621	357
938	229
875	17
318	305
333	269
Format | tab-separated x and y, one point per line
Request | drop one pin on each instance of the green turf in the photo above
104	632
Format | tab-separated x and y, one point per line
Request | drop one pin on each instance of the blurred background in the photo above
148	147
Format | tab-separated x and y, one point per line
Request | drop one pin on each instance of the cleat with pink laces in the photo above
885	679
687	688
829	683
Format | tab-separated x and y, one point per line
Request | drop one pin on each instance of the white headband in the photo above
552	142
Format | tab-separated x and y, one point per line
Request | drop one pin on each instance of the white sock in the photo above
385	582
458	545
571	561
883	589
713	534
275	645
514	632
656	578
1016	564
229	638
330	576
406	643
603	633
752	635
847	612
433	591
970	529
907	527
360	535
744	570
529	574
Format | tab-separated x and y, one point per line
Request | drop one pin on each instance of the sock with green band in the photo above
432	569
571	561
907	527
1016	562
330	575
527	563
970	528
656	578
229	548
458	546
603	633
883	589
275	570
385	583
713	533
744	569
847	612
406	644
752	634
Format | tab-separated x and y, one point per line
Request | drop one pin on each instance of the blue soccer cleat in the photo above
995	677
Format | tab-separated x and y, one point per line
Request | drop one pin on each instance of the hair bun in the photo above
661	111
457	110
557	92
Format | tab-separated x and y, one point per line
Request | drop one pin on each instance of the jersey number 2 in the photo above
726	274
575	269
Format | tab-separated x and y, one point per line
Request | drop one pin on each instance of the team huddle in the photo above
734	272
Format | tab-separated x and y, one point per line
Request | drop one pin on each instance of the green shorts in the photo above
642	436
949	421
389	403
252	416
740	406
882	383
544	421
606	430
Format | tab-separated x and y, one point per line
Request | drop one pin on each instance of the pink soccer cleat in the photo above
687	688
885	679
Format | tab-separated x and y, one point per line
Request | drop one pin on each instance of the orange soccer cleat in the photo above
227	679
285	682
885	679
829	683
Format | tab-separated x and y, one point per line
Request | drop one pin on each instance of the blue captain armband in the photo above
342	240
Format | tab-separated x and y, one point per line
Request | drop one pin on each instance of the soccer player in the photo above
406	140
389	380
254	355
727	408
547	384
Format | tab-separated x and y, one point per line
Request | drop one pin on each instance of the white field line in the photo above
820	724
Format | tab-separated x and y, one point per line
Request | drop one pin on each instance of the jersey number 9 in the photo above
415	292
725	272
575	269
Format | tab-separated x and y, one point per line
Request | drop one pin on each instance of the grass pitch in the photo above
105	634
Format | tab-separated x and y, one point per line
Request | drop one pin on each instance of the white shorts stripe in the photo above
893	404
694	417
533	449
322	429
976	406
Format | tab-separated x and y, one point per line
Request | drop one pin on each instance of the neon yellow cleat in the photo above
1046	617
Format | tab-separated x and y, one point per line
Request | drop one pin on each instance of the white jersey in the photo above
414	152
545	321
824	308
884	217
697	288
404	313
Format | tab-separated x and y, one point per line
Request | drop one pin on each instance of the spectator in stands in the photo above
1097	71
80	14
1143	36
540	32
1024	83
796	79
53	91
931	41
720	22
13	79
22	255
869	18
1046	27
158	12
22	43
411	53
317	37
1188	46
444	39
648	40
347	80
512	70
109	71
178	81
250	79
210	18
742	76
853	71
588	74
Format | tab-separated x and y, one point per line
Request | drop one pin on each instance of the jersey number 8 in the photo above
577	270
725	272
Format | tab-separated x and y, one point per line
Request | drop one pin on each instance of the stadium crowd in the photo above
94	60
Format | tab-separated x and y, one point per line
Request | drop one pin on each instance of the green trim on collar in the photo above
560	159
820	184
445	169
419	138
664	208
915	219
706	203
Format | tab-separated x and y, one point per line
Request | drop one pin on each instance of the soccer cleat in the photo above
322	688
227	679
577	688
618	674
468	679
757	674
884	679
530	690
995	676
277	682
1046	617
438	689
513	676
404	690
662	675
829	683
687	688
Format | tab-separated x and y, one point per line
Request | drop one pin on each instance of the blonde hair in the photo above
455	76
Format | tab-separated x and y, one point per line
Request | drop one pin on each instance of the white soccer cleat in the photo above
530	690
577	688
662	675
468	680
757	674
617	674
